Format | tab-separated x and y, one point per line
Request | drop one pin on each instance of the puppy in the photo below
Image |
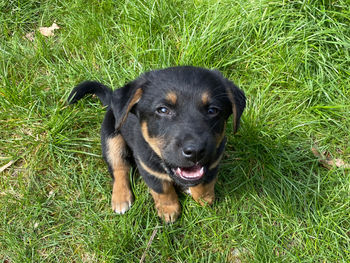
170	123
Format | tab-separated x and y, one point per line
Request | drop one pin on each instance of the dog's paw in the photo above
121	208
203	193
202	200
169	213
121	203
207	199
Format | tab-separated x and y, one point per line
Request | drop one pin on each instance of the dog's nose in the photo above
193	153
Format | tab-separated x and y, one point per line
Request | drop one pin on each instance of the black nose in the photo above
193	153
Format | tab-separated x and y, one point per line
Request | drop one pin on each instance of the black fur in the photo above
91	87
189	126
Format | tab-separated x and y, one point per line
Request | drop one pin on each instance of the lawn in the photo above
283	193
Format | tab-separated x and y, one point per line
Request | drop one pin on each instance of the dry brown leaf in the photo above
316	153
48	31
237	255
326	160
30	36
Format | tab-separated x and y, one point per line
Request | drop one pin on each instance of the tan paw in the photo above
169	213
203	193
167	203
204	200
121	204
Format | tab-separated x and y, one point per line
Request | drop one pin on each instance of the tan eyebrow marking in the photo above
171	97
205	97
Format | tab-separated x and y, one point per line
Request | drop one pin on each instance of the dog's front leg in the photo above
122	197
167	202
204	193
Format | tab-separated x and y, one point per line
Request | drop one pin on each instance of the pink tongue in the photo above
194	172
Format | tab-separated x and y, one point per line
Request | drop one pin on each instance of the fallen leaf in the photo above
316	152
237	255
48	31
30	36
326	160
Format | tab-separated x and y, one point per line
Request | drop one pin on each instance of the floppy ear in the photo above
238	101
123	99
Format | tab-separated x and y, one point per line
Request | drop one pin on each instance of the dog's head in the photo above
182	113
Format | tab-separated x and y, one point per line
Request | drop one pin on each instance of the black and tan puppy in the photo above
171	124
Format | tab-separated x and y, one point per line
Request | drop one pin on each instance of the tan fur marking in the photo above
134	100
159	175
205	97
220	137
167	203
122	197
115	149
216	163
204	193
171	97
234	110
155	143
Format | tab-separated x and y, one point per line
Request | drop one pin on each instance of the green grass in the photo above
275	203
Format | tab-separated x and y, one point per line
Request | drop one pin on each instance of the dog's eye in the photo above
213	111
163	111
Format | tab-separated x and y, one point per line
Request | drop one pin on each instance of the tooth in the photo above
179	171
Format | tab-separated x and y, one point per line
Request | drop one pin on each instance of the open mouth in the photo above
190	173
